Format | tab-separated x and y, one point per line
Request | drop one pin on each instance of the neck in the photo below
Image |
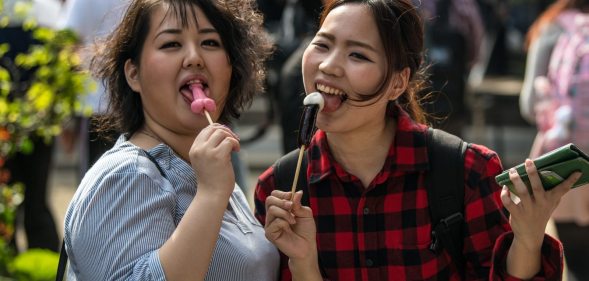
147	138
363	153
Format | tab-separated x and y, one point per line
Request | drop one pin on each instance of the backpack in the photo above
445	188
562	110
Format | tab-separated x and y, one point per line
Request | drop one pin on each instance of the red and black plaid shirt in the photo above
383	232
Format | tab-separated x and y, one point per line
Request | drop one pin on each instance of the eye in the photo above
211	43
359	56
320	45
171	44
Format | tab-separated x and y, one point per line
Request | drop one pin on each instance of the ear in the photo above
399	83
132	76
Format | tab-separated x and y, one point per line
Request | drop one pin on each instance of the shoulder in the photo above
480	162
123	165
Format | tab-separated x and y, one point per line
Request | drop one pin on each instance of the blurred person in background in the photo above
556	108
90	20
30	169
454	40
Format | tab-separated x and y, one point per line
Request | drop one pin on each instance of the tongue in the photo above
332	102
201	102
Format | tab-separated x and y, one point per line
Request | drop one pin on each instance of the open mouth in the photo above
333	97
186	90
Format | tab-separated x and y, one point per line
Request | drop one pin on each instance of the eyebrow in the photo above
179	31
353	43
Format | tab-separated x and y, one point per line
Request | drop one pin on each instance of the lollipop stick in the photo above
208	117
297	170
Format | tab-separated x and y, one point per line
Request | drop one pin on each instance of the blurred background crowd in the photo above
477	51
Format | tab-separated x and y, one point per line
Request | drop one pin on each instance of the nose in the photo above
331	65
193	58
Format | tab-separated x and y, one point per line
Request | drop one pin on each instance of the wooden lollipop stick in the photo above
293	189
208	117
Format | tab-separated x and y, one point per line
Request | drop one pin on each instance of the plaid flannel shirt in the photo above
383	231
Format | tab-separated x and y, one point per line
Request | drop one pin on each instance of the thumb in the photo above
298	209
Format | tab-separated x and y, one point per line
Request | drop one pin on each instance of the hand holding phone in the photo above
553	167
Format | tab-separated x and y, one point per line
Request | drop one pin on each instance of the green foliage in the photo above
10	197
52	96
35	265
37	109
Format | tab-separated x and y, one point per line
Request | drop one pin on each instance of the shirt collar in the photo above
408	152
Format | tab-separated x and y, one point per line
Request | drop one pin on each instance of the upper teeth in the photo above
329	90
194	82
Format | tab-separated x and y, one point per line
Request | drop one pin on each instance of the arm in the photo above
502	253
529	218
537	62
187	253
290	227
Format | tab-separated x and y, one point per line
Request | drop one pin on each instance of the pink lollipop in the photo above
201	103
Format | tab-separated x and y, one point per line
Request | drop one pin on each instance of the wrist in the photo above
215	191
532	246
212	197
305	268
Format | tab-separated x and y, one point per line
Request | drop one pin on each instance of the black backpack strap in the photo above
445	184
62	263
284	170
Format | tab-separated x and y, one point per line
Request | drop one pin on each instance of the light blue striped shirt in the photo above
124	211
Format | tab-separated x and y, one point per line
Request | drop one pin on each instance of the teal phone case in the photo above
554	167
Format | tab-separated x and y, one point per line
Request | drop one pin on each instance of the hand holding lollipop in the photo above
314	103
202	103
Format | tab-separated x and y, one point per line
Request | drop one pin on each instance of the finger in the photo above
520	187
507	202
282	203
566	185
277	202
276	228
298	209
228	145
226	129
205	133
219	134
281	194
275	212
533	176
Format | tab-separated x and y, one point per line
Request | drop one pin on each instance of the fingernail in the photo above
512	171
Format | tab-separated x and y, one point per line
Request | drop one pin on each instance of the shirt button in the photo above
366	210
369	263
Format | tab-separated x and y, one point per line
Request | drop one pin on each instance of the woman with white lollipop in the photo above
368	214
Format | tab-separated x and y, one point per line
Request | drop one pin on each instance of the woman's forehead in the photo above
180	15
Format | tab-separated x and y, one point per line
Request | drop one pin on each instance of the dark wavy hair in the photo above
401	30
240	27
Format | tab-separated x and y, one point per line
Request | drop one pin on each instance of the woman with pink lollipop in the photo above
162	204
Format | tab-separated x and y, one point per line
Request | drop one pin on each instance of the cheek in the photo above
370	83
308	69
